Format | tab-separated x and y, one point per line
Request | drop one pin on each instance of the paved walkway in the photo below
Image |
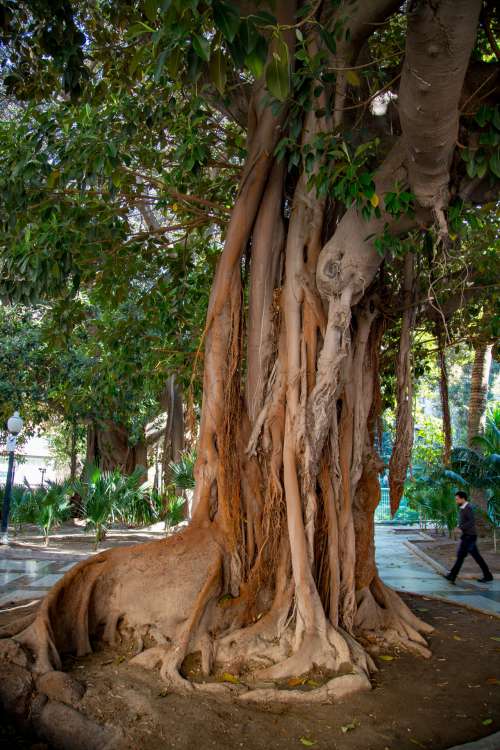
405	571
27	574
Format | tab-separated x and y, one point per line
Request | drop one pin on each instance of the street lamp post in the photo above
14	426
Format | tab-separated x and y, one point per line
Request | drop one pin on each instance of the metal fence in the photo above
404	515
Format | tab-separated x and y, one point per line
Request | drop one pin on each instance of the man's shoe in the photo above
450	578
485	579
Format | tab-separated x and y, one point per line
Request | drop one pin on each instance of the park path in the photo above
405	571
27	574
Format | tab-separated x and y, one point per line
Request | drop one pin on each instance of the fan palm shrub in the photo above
431	492
479	467
24	503
53	508
98	504
182	471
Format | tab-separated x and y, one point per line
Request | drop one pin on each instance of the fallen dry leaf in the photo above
227	677
348	727
307	742
295	681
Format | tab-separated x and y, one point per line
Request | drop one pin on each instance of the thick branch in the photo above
438	46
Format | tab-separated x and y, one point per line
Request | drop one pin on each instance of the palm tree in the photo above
480	466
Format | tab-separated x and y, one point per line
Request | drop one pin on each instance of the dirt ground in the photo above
444	551
72	538
435	704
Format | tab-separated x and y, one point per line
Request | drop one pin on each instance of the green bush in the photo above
53	508
24	504
432	494
182	472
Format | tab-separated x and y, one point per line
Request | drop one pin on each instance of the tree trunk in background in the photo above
475	422
174	441
109	448
444	395
73	451
478	391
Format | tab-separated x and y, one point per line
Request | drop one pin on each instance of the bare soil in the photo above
415	703
443	550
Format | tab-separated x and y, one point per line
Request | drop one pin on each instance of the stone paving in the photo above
405	571
26	575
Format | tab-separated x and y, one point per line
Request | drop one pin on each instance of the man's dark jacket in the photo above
467	523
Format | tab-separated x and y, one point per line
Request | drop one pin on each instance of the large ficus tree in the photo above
336	215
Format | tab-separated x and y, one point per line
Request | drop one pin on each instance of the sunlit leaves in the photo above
278	71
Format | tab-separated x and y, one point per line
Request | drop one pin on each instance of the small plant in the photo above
182	471
175	511
432	493
24	504
98	500
53	509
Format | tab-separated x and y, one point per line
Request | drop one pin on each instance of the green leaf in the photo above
53	178
256	59
308	743
278	73
201	47
173	62
353	78
495	164
159	65
151	10
263	18
137	29
348	727
471	168
248	35
386	657
487	722
227	19
329	40
218	71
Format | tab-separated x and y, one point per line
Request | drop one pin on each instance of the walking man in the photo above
468	541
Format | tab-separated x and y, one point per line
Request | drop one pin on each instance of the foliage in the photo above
428	444
24	504
182	471
175	510
481	468
105	497
53	508
432	493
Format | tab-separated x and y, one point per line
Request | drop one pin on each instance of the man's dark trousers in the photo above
468	547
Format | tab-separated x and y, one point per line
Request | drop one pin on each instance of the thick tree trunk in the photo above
476	419
109	448
401	452
478	391
174	437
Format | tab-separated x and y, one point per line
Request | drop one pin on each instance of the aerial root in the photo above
383	619
332	691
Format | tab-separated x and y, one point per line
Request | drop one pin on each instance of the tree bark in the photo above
443	394
478	391
73	452
109	448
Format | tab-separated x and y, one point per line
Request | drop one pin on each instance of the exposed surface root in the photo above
383	619
333	690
